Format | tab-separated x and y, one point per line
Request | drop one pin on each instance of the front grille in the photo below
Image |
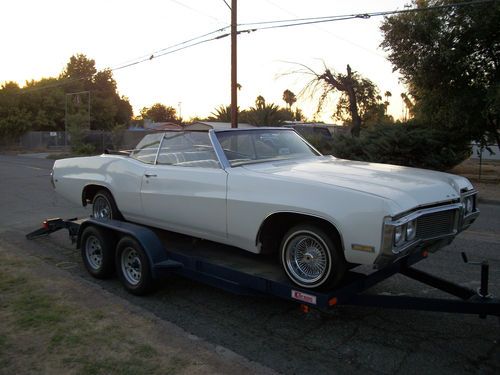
436	224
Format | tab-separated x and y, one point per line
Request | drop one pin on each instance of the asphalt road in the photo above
273	332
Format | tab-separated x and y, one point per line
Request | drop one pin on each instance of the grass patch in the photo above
34	310
145	351
46	326
129	366
9	283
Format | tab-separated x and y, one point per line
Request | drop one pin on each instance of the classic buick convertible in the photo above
267	190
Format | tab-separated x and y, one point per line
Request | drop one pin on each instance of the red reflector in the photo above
45	224
305	308
333	301
425	253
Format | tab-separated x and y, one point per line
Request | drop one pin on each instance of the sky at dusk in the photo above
38	37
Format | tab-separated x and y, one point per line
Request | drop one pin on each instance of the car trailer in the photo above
141	255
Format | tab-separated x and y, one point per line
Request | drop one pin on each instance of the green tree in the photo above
371	109
160	113
449	59
41	105
79	67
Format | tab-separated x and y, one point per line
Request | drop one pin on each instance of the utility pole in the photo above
234	79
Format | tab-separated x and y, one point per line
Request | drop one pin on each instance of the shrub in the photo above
408	144
83	149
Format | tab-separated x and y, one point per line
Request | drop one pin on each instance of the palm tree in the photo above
289	98
387	95
221	114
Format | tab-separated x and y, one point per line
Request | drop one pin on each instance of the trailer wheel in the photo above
133	266
97	252
311	258
104	206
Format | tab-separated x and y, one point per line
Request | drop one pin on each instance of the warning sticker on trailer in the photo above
304	297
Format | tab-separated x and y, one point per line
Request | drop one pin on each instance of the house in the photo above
151	126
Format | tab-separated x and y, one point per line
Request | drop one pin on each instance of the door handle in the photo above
150	175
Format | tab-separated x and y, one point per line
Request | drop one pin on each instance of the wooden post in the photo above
234	79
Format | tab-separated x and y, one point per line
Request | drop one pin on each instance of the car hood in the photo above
406	187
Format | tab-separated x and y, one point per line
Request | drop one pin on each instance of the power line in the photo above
330	33
315	20
272	25
195	10
162	52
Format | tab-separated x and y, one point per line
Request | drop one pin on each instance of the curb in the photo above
489	201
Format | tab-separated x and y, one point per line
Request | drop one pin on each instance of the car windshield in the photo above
255	146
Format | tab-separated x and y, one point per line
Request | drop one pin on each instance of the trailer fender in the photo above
154	249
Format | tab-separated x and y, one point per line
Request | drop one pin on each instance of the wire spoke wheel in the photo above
93	252
131	266
101	208
306	258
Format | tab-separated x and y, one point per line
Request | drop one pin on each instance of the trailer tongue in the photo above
140	255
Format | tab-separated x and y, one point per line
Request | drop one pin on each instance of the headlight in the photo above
398	235
411	230
469	204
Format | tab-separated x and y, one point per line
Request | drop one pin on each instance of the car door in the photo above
185	191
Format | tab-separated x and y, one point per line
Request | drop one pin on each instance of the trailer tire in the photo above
133	266
311	258
97	252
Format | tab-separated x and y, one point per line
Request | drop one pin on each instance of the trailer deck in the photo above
245	273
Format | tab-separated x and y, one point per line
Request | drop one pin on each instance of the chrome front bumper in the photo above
389	253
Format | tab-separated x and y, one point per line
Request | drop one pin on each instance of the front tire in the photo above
311	258
104	206
133	266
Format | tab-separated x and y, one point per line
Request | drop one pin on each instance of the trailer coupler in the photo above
53	225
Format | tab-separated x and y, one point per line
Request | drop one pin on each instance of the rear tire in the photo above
311	258
97	252
132	265
104	206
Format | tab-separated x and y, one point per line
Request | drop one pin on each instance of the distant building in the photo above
150	125
207	125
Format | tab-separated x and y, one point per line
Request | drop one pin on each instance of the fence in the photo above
101	140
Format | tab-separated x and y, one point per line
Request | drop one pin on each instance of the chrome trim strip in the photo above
416	214
467	193
159	148
218	150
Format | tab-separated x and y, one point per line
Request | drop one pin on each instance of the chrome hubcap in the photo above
93	252
131	266
101	208
306	258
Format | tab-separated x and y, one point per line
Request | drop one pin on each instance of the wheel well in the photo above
275	226
90	191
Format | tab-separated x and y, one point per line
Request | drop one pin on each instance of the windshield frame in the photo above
226	164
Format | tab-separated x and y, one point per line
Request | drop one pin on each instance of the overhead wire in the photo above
323	19
320	28
266	25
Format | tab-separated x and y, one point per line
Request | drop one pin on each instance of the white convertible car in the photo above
268	190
